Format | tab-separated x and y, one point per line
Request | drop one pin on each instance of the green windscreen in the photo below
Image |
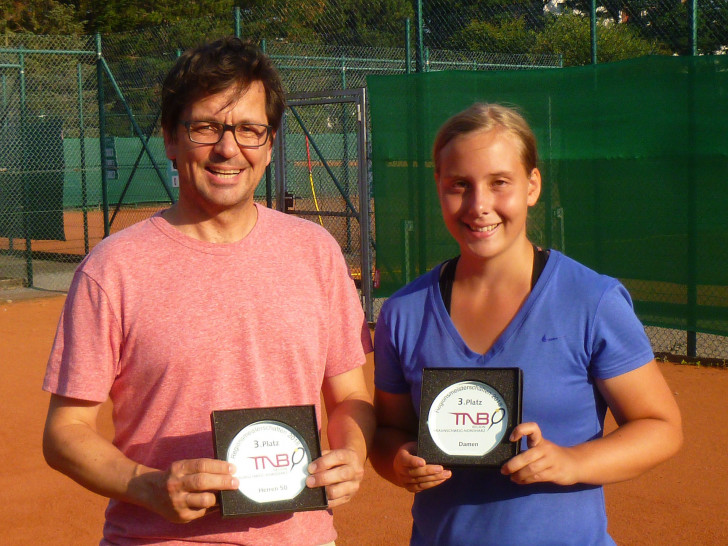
634	157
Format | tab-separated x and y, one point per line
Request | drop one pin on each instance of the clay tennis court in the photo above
84	230
684	501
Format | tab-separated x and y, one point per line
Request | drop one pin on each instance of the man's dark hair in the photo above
216	67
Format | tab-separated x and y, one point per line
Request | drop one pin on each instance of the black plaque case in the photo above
507	381
226	424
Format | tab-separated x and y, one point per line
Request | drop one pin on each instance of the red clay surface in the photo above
77	235
684	501
73	228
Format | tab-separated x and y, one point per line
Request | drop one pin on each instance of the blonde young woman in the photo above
505	302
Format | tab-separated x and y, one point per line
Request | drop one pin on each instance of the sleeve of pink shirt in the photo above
85	355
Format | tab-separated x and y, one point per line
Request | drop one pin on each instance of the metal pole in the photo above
26	190
407	46
420	48
593	20
280	162
692	212
102	134
4	80
236	15
82	149
694	27
268	174
545	189
344	132
366	262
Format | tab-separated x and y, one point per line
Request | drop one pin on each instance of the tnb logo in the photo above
463	418
263	461
280	460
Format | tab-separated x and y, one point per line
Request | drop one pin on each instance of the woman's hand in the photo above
543	461
413	473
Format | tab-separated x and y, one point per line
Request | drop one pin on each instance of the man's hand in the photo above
187	490
72	445
340	471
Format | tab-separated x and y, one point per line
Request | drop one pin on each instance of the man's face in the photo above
223	176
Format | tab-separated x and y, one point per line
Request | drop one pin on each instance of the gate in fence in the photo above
322	173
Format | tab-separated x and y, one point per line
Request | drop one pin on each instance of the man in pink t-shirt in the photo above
215	303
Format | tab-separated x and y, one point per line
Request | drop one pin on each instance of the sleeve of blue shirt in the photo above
619	343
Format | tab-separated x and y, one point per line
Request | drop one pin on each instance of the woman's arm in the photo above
649	432
394	454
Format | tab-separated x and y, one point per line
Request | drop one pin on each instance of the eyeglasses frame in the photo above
231	128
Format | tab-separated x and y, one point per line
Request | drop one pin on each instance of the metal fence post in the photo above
26	190
280	165
364	208
82	150
236	15
268	177
694	27
692	205
345	154
407	46
593	31
102	134
3	79
419	44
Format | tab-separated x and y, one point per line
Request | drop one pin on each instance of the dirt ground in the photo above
684	501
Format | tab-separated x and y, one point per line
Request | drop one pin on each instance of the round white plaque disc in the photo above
468	418
271	459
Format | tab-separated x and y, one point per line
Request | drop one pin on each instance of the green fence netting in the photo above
38	189
635	162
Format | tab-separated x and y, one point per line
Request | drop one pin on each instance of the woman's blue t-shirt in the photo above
575	326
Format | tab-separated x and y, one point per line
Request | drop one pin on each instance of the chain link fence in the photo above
46	156
622	29
72	171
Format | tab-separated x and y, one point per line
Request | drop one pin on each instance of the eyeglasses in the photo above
247	135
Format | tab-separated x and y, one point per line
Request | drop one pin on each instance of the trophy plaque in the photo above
468	414
271	449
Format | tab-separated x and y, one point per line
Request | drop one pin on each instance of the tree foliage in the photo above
40	17
282	20
365	23
504	36
487	26
667	21
569	35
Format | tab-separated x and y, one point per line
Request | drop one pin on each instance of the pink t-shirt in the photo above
171	328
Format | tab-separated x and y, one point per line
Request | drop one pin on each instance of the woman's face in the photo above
485	192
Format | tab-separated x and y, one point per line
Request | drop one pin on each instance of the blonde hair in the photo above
485	117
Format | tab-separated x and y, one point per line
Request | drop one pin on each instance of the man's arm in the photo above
72	445
350	430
